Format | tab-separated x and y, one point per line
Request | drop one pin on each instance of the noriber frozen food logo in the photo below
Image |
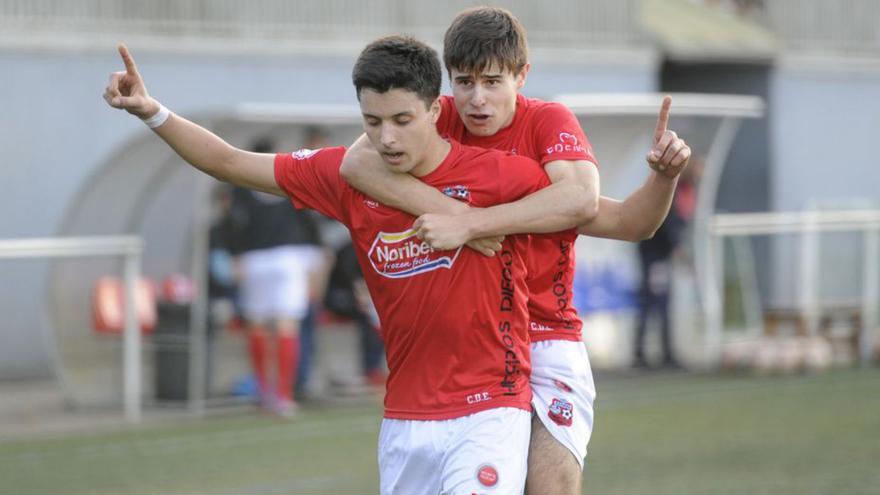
402	254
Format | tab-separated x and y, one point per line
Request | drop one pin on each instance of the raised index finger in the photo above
130	67
663	118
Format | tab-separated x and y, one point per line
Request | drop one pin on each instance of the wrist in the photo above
156	116
665	179
469	223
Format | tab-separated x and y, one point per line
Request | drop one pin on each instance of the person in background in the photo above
655	258
347	296
275	250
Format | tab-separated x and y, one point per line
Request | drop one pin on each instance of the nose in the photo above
388	136
478	96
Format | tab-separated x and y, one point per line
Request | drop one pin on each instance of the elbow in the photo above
591	209
642	234
586	209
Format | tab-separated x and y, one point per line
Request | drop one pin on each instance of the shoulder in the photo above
476	155
543	111
488	158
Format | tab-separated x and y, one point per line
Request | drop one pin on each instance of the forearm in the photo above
558	207
637	217
363	169
198	146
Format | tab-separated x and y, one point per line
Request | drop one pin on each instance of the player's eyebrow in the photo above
405	113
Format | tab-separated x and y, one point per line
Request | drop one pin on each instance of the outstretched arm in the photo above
641	214
199	147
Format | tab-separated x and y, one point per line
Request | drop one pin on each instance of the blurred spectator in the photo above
347	296
222	283
277	247
655	256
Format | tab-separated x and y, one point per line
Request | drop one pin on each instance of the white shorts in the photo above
485	452
563	393
275	282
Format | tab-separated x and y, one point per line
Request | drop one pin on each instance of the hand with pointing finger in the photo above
126	89
669	154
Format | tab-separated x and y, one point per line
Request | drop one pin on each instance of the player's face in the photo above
400	127
486	101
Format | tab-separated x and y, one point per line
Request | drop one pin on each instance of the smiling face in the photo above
486	101
402	129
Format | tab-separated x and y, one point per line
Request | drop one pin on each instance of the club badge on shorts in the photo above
561	412
487	475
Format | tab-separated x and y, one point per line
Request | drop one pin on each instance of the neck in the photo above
512	115
436	150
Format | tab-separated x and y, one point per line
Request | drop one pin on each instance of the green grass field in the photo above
654	434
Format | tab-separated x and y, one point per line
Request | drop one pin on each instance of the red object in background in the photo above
108	305
178	289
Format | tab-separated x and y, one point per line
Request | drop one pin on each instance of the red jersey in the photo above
454	322
544	131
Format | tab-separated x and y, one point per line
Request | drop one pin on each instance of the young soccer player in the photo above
486	56
455	322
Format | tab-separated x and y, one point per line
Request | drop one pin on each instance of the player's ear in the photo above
521	76
435	110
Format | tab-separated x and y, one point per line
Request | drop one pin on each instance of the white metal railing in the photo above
808	224
575	21
130	248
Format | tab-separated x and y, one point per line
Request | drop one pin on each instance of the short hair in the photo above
480	36
399	62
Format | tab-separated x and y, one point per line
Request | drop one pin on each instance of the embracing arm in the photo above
571	200
364	170
199	147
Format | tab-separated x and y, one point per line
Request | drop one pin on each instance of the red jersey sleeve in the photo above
558	135
311	179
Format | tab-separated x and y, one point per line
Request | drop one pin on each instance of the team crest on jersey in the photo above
304	153
458	192
487	475
561	412
402	254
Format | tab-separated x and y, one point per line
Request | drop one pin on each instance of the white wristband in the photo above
159	118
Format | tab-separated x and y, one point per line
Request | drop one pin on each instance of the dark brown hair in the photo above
399	62
480	36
